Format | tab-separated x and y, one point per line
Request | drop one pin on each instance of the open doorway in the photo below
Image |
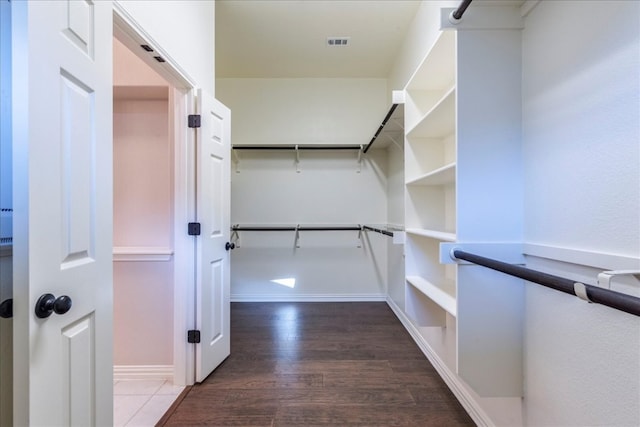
143	220
143	229
153	266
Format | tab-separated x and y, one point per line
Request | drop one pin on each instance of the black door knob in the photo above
230	246
6	309
48	304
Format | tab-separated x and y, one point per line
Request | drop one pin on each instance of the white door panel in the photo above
62	107
213	183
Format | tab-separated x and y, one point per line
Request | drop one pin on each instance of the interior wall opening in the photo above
143	266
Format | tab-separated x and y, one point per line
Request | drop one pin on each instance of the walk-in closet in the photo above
320	212
465	169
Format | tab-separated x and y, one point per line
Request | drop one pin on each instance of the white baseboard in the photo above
143	372
479	416
309	298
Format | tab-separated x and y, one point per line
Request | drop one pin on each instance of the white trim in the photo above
606	261
138	372
139	253
184	245
309	298
472	407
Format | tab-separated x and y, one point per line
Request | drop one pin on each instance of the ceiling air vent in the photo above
337	41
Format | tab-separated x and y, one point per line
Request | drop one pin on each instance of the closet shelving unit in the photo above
463	187
430	177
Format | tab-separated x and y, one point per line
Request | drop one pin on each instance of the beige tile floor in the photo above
141	403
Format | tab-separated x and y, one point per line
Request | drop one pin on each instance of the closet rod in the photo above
377	230
297	147
457	14
300	228
238	228
384	122
627	303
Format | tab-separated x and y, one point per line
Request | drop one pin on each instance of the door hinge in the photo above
193	229
194	120
193	336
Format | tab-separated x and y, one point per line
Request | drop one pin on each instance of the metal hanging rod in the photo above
311	228
457	14
384	122
297	147
619	301
297	228
377	230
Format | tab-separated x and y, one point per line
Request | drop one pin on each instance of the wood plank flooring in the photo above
319	364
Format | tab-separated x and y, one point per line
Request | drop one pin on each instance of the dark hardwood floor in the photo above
319	364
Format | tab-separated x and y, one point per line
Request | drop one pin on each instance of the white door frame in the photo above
128	31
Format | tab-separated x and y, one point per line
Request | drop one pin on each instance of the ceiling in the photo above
288	38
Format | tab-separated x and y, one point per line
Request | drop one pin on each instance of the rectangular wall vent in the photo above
337	41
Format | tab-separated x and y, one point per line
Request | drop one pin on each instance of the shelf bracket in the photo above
236	161
360	152
235	238
296	243
360	242
297	159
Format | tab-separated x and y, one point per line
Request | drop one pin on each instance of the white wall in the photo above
395	214
184	29
581	114
581	133
328	189
143	222
304	111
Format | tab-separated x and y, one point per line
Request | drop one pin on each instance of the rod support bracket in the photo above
235	237
580	289
236	160
297	238
453	19
604	278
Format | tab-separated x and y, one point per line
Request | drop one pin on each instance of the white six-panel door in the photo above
213	212
62	122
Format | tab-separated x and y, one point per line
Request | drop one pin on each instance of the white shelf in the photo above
433	234
440	176
438	122
437	69
443	295
141	253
